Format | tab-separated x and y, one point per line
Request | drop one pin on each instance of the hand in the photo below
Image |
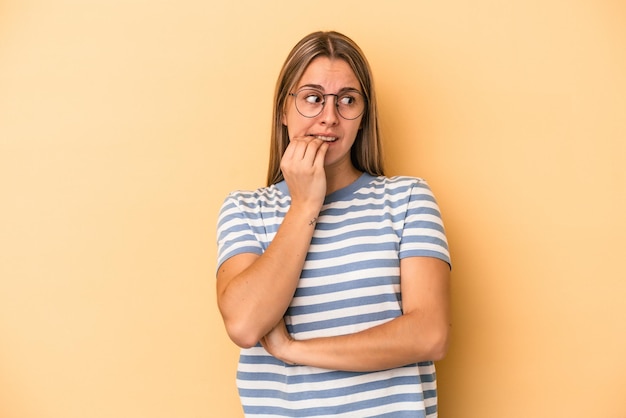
277	341
302	165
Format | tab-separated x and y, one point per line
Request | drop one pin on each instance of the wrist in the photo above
304	214
287	353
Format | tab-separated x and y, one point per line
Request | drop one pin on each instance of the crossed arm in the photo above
421	333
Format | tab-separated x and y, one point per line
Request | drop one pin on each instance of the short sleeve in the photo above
423	234
234	234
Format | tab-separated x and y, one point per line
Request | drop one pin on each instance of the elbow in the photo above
439	351
242	336
438	344
244	343
238	327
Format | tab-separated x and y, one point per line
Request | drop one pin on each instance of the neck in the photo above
340	177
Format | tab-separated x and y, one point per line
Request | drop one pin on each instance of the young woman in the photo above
333	279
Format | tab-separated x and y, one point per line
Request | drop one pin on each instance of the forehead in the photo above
329	74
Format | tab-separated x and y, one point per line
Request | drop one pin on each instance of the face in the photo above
327	76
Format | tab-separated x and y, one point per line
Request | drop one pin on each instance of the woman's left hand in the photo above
277	341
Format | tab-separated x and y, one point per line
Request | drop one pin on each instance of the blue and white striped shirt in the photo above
350	282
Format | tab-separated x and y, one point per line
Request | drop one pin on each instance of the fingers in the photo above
304	147
302	166
305	151
321	154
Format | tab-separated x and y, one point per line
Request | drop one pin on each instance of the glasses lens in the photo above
309	102
350	104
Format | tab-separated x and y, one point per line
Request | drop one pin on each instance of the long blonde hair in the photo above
366	153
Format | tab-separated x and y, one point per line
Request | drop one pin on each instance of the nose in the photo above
330	115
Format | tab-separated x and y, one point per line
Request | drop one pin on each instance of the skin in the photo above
255	291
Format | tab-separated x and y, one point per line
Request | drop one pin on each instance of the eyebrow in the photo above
321	88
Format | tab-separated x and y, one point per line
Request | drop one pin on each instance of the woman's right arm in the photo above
254	291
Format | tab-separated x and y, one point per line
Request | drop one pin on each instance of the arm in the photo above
253	292
419	334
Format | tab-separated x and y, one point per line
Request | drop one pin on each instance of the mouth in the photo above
326	138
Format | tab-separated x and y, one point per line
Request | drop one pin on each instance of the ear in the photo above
284	118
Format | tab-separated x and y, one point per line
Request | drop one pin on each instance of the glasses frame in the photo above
336	95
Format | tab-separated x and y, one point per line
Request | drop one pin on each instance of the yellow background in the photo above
123	124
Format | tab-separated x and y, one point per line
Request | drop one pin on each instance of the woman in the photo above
333	279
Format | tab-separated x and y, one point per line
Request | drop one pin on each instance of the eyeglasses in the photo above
310	102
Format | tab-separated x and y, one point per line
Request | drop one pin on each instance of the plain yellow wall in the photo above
123	124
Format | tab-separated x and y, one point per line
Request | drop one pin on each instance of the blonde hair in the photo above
366	153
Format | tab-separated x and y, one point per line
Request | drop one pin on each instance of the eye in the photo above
313	97
347	100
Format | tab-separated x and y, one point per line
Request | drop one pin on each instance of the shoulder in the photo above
398	184
262	196
401	191
252	204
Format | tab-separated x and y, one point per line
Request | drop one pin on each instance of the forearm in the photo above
254	299
404	340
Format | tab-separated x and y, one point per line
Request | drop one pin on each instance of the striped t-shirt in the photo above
350	282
